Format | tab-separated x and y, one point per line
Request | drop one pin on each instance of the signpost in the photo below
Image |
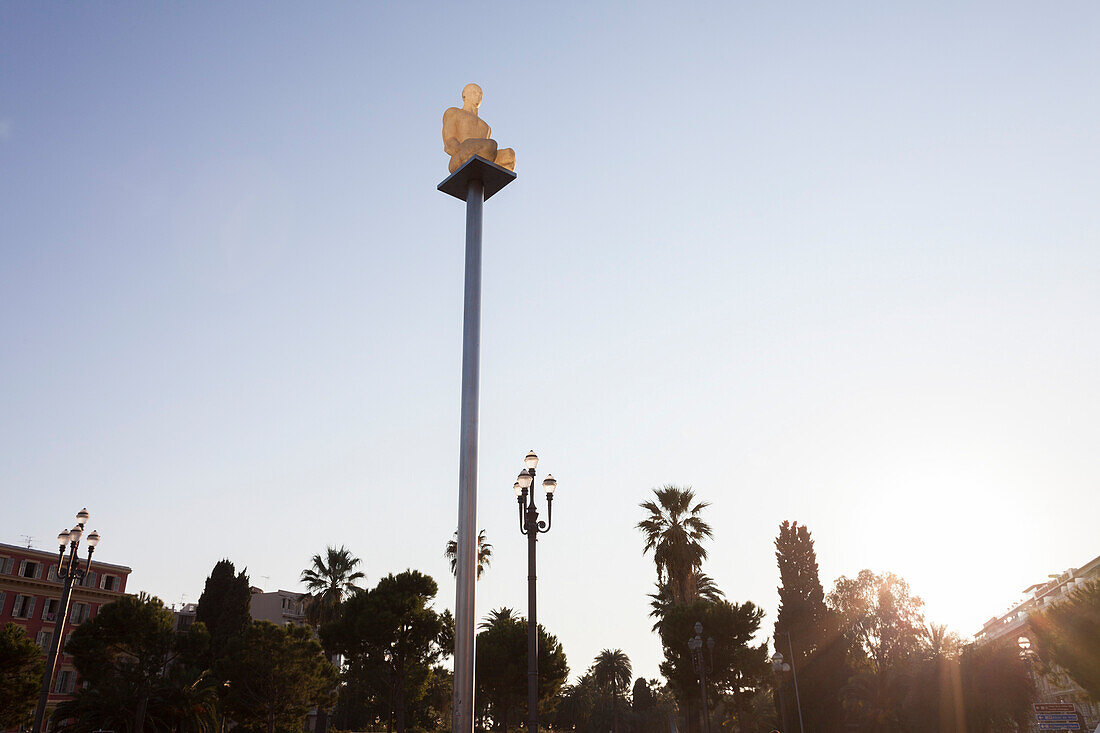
1056	716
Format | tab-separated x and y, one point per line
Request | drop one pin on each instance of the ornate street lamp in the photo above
530	525
1026	655
68	571
701	665
779	667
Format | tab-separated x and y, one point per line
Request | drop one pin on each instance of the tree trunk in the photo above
139	717
399	703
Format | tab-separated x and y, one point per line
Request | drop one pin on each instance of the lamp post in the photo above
779	667
68	571
794	676
1026	654
701	665
530	525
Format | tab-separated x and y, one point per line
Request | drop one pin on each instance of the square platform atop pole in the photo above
493	178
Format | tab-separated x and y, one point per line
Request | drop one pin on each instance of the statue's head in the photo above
472	93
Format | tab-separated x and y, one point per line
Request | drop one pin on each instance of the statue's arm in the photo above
450	132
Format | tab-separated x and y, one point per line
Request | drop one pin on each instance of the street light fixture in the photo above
68	572
701	665
530	525
1026	655
779	667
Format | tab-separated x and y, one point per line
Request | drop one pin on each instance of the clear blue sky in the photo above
832	262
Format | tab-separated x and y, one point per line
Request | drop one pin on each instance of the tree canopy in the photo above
814	647
224	608
674	531
135	664
484	553
392	639
275	675
21	670
329	581
1068	634
501	663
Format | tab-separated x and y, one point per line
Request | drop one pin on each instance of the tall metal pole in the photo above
532	618
703	691
463	707
794	673
55	643
782	705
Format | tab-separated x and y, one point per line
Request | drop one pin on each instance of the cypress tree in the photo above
818	657
802	609
224	607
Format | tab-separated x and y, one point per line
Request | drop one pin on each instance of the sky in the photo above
836	263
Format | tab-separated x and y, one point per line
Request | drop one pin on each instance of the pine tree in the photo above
224	607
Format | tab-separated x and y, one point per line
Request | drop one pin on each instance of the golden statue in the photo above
466	135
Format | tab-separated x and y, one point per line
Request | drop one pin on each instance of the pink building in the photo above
30	593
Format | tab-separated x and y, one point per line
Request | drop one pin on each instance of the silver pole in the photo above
794	673
462	720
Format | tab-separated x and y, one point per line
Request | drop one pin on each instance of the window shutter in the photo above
22	567
30	607
38	571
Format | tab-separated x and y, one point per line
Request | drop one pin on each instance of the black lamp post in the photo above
1026	654
779	667
701	665
530	525
68	572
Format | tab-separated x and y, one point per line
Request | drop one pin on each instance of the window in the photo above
79	614
49	609
66	680
5	565
43	640
109	582
24	606
90	579
30	569
52	575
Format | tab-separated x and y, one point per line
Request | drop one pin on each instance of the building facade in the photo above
30	596
280	607
1056	686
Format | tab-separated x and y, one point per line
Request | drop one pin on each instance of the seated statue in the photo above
466	135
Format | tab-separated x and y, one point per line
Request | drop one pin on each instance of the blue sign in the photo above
1069	717
1059	726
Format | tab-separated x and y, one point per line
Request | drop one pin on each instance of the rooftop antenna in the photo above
28	539
266	578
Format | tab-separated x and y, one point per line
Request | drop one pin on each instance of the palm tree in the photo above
329	581
674	531
484	553
700	585
498	616
611	672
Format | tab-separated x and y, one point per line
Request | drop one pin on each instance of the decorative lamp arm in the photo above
522	520
549	513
